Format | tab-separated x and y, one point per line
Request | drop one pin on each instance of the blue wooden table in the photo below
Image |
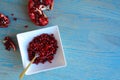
90	32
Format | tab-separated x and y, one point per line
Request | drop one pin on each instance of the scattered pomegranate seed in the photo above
12	14
15	19
26	26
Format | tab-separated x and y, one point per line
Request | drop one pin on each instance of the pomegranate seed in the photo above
12	14
15	19
26	26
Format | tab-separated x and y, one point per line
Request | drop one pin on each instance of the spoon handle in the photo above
23	72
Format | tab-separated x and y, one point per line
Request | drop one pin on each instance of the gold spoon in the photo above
23	72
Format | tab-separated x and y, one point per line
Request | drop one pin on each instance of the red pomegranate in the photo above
49	3
35	10
8	43
4	21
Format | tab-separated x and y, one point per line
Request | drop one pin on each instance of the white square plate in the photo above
26	37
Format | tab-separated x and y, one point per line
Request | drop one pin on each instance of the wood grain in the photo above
90	32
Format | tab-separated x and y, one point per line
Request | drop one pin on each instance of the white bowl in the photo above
26	37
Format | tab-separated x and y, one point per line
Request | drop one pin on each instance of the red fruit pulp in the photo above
48	3
36	14
4	21
45	45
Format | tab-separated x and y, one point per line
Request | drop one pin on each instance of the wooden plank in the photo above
90	32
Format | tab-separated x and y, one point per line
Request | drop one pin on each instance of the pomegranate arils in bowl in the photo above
45	45
4	21
45	42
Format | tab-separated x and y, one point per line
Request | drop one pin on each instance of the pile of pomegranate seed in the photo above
8	43
35	10
45	45
4	21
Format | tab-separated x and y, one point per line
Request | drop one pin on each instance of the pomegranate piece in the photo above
4	21
35	10
8	43
49	3
39	18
